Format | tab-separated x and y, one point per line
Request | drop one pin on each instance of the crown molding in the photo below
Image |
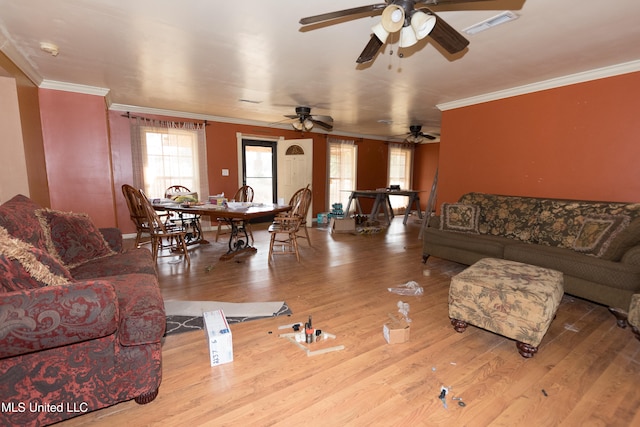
72	87
20	60
598	73
197	116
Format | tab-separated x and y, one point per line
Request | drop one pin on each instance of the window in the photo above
342	170
400	172
166	154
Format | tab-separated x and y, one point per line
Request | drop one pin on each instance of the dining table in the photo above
230	213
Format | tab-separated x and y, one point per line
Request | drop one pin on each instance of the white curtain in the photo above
342	163
167	153
400	172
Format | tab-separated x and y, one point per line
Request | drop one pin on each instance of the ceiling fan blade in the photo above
447	37
339	14
370	50
326	119
327	126
291	116
437	2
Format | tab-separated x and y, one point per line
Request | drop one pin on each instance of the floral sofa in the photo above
595	244
81	320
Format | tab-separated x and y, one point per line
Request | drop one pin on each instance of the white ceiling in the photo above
199	58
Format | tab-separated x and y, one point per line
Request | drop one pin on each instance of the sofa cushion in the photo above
72	237
135	260
507	216
489	246
113	237
23	266
597	233
560	221
634	311
459	217
18	217
611	274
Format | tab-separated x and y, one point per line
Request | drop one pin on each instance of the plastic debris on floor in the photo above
410	288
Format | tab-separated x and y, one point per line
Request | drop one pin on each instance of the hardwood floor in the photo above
585	374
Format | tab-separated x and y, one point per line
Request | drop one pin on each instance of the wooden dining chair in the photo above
244	194
163	234
285	227
137	213
190	223
303	224
303	233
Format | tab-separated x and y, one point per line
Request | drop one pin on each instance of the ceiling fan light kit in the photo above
410	17
302	125
304	120
380	32
407	37
392	18
422	24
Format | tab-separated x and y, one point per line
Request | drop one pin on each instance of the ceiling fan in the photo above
411	18
305	121
416	136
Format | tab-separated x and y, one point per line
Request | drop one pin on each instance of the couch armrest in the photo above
434	221
113	236
632	256
142	315
54	316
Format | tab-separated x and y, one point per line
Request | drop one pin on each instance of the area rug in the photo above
184	316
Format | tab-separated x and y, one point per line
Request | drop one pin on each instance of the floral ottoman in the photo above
634	315
510	298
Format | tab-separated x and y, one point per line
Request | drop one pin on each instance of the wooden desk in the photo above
383	203
238	238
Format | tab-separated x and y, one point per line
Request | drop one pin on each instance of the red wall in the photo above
222	154
425	165
578	142
76	146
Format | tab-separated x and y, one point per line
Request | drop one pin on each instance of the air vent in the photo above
502	18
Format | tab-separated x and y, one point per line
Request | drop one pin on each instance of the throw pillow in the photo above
72	237
625	240
597	233
459	217
17	216
23	266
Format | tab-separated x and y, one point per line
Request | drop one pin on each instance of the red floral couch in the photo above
81	320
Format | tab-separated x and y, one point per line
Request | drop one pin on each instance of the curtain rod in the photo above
131	116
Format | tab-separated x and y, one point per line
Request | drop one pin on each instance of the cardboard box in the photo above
346	225
396	331
218	201
219	337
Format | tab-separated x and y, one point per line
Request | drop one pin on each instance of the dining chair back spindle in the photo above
190	223
147	221
285	227
303	233
244	194
163	235
137	213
